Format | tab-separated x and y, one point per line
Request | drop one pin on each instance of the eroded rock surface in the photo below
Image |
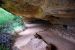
58	8
55	11
59	13
61	37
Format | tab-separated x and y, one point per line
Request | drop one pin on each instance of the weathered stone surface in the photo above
54	11
61	14
58	8
61	8
30	43
22	8
61	37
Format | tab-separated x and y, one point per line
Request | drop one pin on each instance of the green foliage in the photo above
2	47
5	16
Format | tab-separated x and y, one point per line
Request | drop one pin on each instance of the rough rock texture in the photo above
29	42
55	11
59	13
60	37
58	8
